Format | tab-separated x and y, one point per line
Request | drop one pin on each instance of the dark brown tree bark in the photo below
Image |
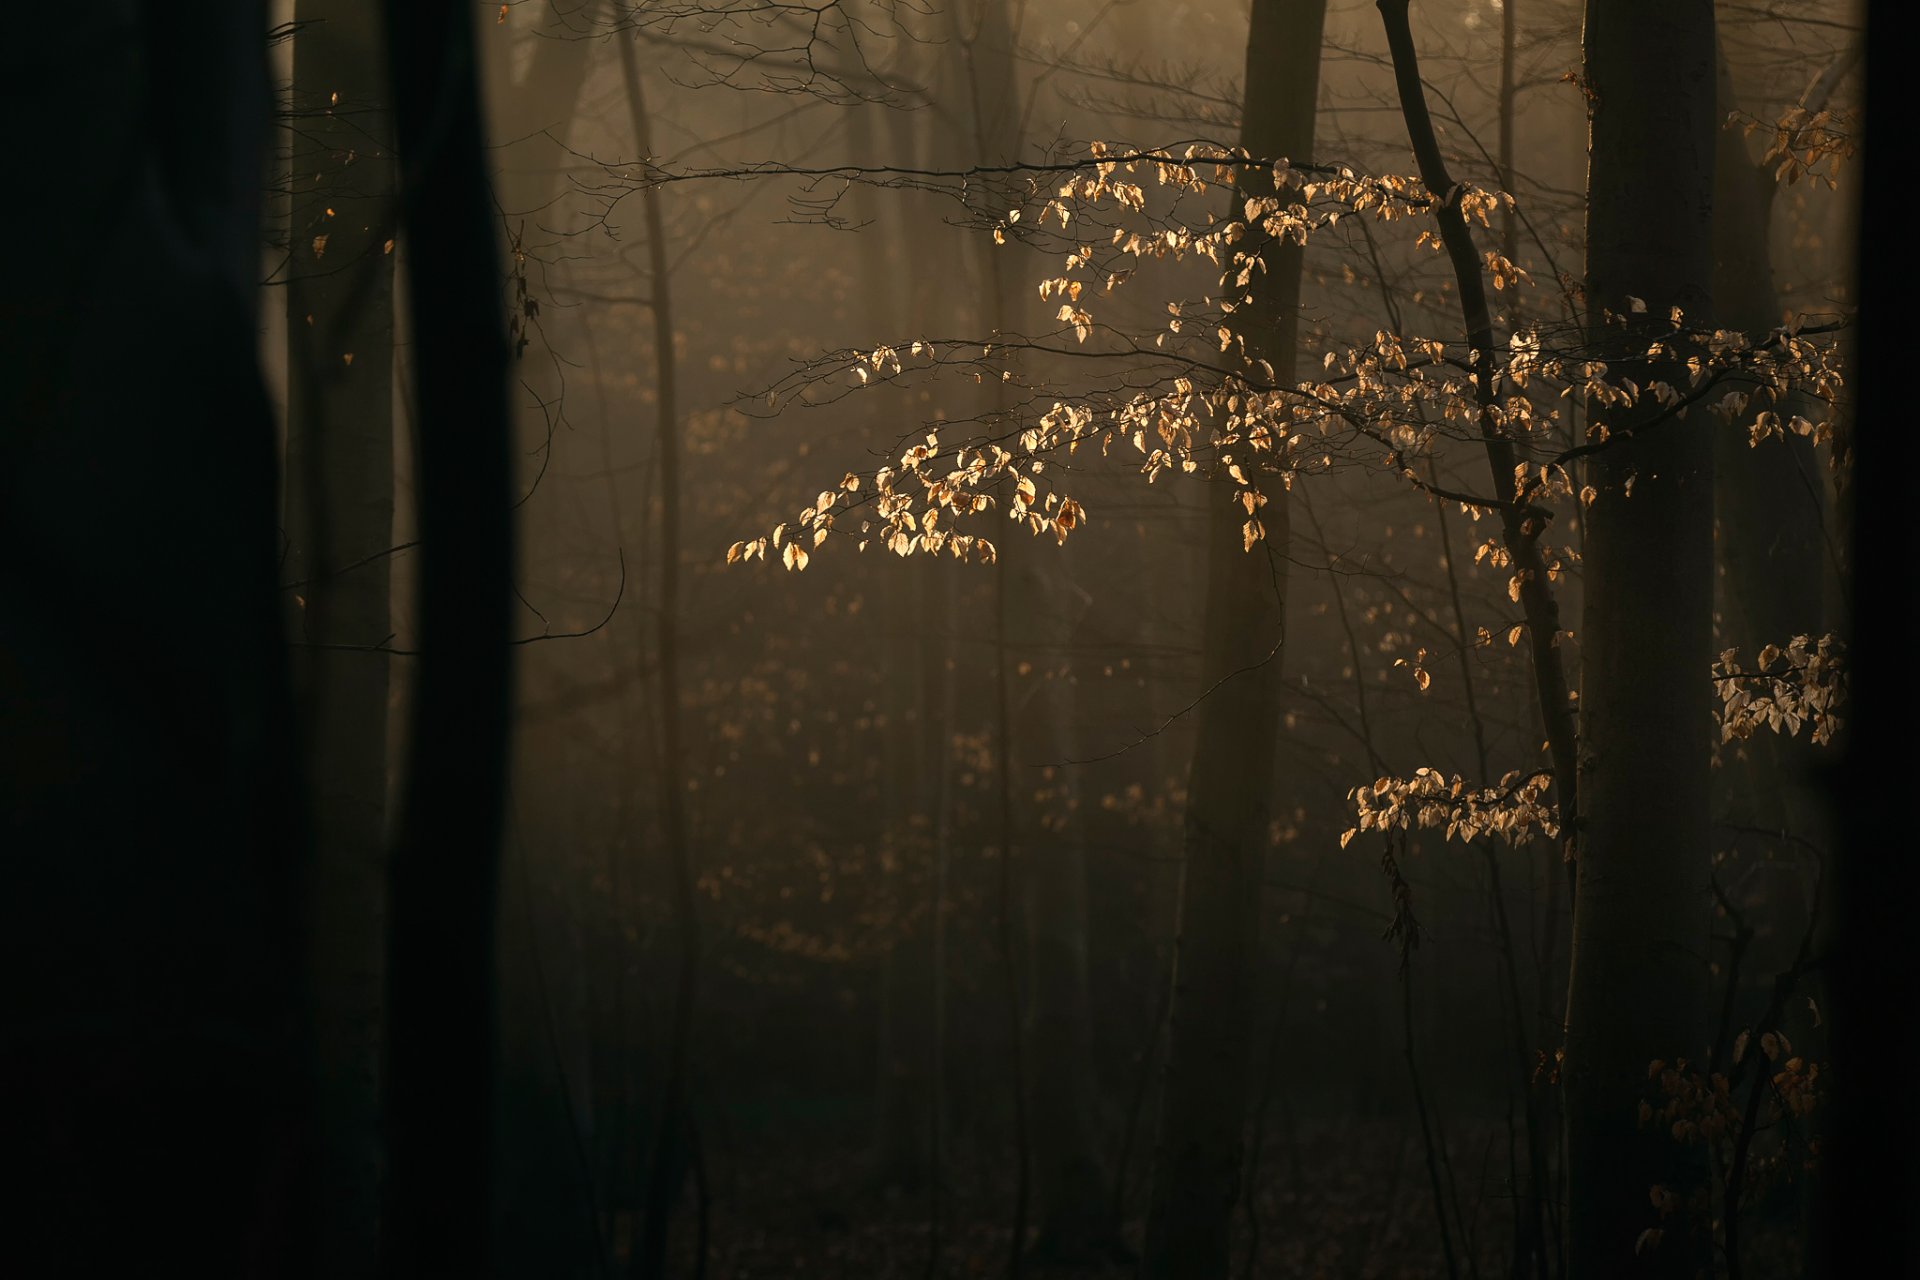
1638	989
1773	556
340	503
1876	885
1229	800
446	862
1768	495
148	785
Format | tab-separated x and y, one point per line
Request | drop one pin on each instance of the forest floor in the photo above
1348	1200
1345	1200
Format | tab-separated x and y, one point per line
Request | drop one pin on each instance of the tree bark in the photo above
148	784
1638	988
340	504
1229	801
1873	941
445	872
1767	497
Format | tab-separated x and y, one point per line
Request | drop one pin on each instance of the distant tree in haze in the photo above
1230	799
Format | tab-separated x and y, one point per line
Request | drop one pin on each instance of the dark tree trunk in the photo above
1638	989
339	303
1229	798
1876	884
1773	557
148	793
446	862
1768	495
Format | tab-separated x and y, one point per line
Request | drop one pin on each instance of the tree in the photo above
1638	987
340	508
673	1136
1392	401
445	868
1229	803
149	795
1036	607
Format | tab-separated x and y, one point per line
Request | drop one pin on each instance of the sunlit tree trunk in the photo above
1638	990
340	505
1229	800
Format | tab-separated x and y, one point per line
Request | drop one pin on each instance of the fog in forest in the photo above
945	638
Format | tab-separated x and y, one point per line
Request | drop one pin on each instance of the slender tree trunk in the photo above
1522	523
1638	989
671	1154
901	1137
939	610
916	136
444	880
1038	606
534	67
340	502
1071	1184
985	36
1229	802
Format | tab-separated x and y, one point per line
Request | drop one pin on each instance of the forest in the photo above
1182	639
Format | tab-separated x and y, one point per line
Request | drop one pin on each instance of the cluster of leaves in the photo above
1696	1107
1214	405
1803	143
1804	683
1688	1105
1207	411
1515	810
918	505
1761	372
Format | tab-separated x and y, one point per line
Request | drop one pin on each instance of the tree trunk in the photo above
1638	989
340	502
1204	1109
672	1153
903	1140
148	933
444	880
1038	606
1070	1181
1767	497
1872	944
